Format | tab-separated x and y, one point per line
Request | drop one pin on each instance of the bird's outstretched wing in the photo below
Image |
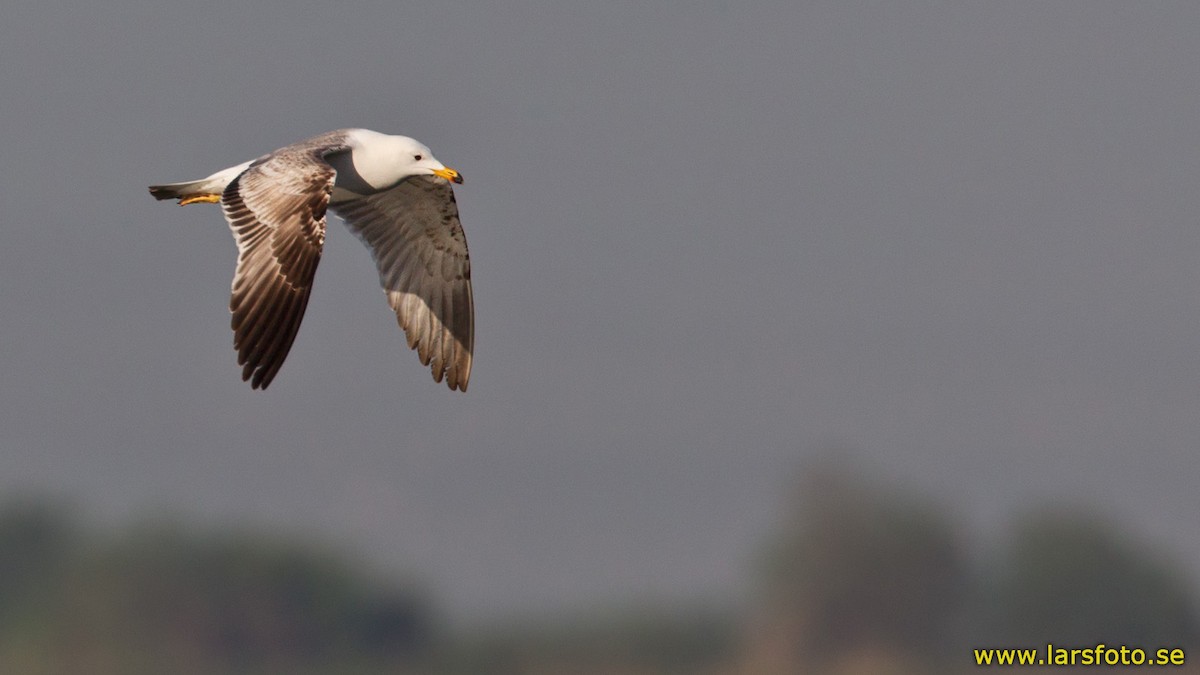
417	241
276	209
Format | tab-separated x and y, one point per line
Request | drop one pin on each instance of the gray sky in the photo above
959	238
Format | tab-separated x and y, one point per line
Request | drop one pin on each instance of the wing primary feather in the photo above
276	212
415	238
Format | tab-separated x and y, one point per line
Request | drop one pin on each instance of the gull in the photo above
393	194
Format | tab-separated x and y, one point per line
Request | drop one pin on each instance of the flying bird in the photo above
393	194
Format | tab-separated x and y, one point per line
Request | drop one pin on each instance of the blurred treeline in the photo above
857	578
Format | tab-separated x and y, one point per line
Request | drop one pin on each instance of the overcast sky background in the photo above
709	241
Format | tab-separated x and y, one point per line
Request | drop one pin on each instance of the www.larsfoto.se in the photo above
1099	655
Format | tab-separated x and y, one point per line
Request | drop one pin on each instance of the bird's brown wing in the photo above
417	241
276	209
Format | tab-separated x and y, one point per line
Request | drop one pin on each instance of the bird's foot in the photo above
200	199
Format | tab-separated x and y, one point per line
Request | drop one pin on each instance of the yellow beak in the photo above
449	174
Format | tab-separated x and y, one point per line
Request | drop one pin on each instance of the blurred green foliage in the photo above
861	578
1069	577
858	578
681	639
159	599
856	568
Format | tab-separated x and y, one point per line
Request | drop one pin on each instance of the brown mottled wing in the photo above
419	248
276	209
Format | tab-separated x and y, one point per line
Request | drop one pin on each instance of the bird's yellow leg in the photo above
200	199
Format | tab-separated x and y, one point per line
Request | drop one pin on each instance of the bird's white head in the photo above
384	160
420	160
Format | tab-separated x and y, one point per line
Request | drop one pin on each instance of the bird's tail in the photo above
203	190
173	190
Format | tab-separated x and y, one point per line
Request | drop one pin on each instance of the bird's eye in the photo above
418	157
